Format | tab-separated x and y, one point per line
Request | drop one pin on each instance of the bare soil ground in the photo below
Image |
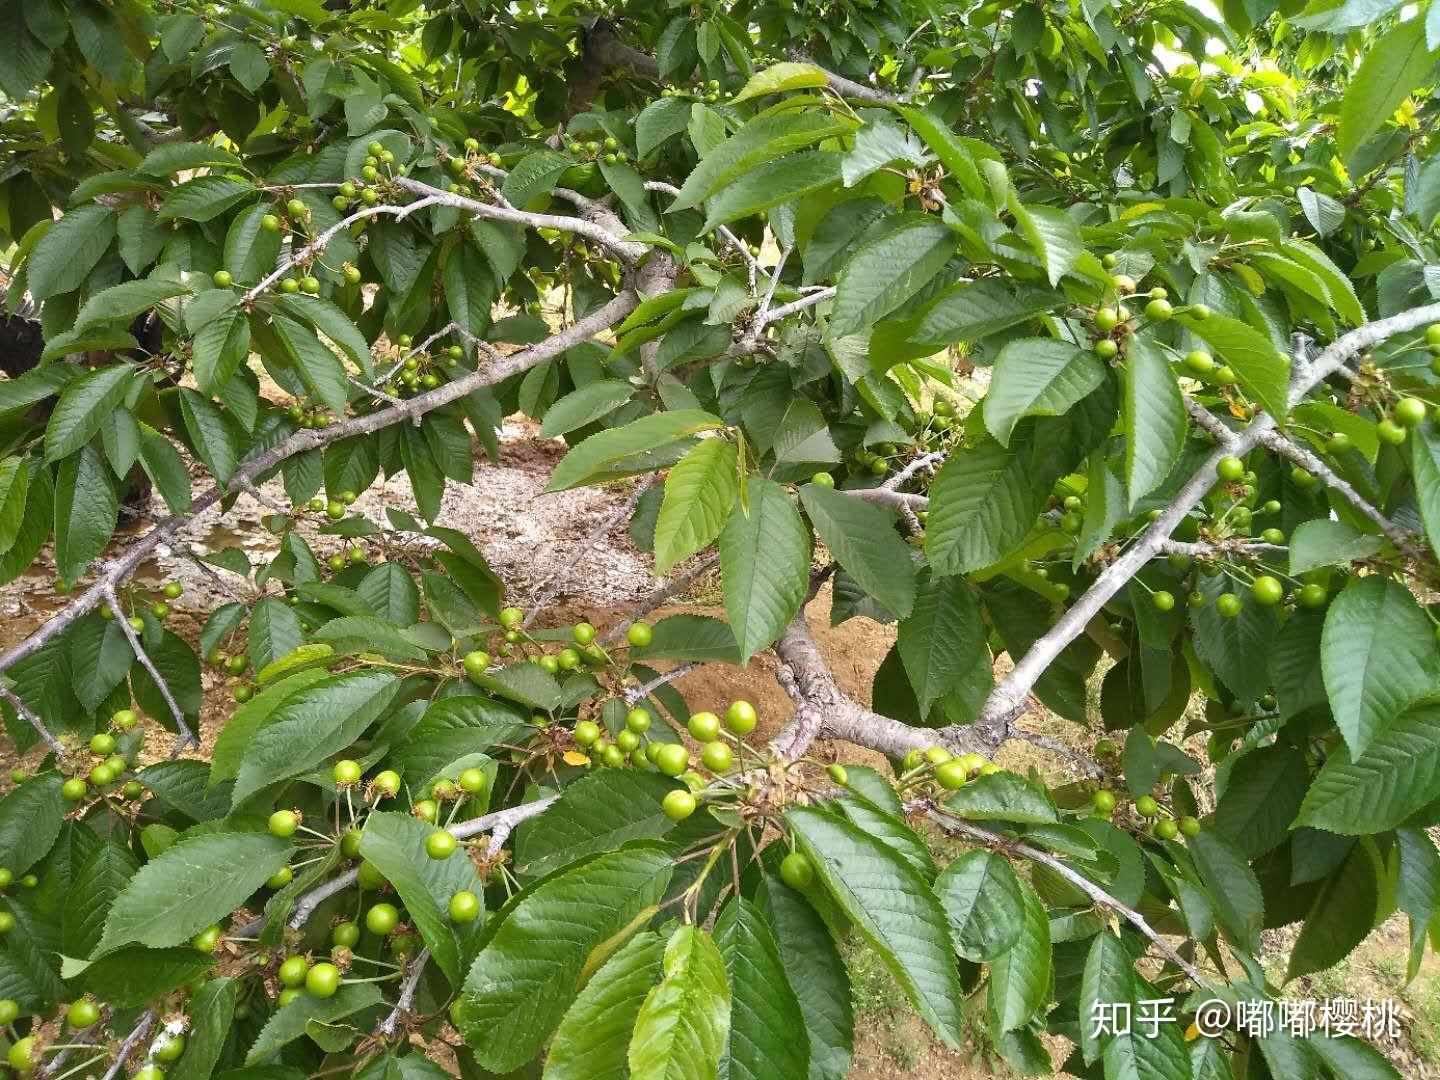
528	535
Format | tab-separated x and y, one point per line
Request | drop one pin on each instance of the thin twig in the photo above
638	693
774	284
141	1029
1005	845
561	574
33	720
413	971
658	595
187	737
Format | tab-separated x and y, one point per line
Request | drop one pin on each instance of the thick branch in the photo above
1005	845
311	438
501	823
824	711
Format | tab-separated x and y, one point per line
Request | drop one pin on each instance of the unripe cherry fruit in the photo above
796	870
322	980
440	844
704	726
639	634
678	804
741	718
464	907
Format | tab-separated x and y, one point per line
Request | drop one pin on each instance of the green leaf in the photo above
599	812
219	348
469	288
1053	234
602	451
1037	377
529	684
125	301
690	637
395	844
941	640
35	386
310	726
1351	1059
1323	542
319	368
778	78
593	1040
1393	67
275	631
585	405
981	897
699	492
1398	774
817	975
1342	914
211	1010
216	442
534	175
170	158
863	540
767	1029
893	907
765	565
1263	370
69	250
204	198
659	121
99	880
133	976
86	509
1003	796
30	819
195	882
759	142
82	408
681	1031
1263	792
973	310
100	658
251	249
949	148
1425	464
983	502
1233	891
776	182
1377	653
524	979
1107	980
331	321
888	271
1020	976
289	1022
1155	420
14	486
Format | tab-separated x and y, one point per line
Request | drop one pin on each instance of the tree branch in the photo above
637	693
413	971
1402	538
187	737
34	721
625	251
311	438
1006	846
141	1029
1010	695
661	593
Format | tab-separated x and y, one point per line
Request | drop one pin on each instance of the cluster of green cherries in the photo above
7	879
418	373
1164	825
159	606
112	765
586	650
1113	322
718	738
26	1055
607	150
708	91
460	165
